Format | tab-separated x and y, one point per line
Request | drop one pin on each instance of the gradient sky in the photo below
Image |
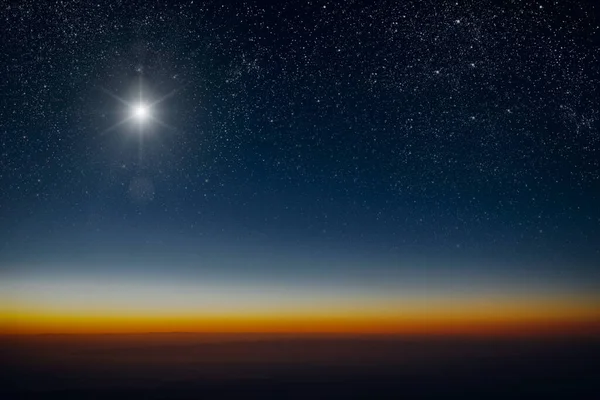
391	162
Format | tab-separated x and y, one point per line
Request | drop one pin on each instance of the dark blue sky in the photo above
302	137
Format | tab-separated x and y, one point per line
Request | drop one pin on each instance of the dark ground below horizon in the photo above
296	367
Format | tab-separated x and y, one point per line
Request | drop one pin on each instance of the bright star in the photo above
141	112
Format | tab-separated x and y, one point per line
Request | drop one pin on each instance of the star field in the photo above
450	130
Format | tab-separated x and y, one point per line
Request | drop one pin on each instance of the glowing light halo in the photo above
141	112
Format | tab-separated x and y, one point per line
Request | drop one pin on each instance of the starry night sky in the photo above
312	142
